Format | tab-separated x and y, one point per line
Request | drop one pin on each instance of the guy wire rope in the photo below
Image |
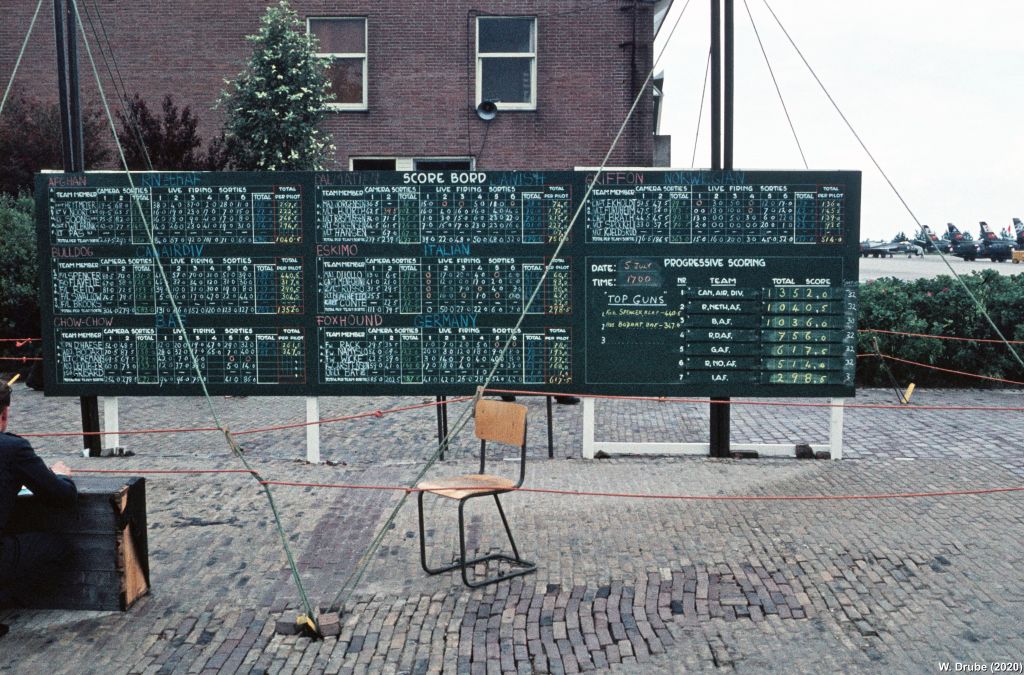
122	90
700	110
349	586
232	444
17	62
899	196
778	90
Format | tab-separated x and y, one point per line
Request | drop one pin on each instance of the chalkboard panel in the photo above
332	283
720	321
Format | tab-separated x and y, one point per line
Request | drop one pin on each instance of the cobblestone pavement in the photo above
623	585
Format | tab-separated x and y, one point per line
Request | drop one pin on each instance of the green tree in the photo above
30	141
19	269
167	141
273	107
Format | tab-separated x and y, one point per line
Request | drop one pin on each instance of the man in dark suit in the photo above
27	559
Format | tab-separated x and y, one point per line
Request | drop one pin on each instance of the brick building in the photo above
408	74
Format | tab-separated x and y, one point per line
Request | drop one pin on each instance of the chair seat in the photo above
460	487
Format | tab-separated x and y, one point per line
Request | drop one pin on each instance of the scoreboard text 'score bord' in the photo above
705	283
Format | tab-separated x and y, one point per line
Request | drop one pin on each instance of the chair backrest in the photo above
501	422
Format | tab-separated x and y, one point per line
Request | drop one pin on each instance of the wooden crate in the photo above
107	532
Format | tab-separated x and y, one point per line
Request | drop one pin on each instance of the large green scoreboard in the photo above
705	283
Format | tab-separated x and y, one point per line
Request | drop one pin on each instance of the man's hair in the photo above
5	396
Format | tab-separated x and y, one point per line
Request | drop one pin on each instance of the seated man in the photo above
27	559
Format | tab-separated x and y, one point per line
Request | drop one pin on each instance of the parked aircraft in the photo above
991	246
883	249
877	249
1007	235
960	243
927	240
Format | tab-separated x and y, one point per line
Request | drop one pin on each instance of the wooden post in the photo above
312	429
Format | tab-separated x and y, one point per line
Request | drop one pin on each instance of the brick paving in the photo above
622	586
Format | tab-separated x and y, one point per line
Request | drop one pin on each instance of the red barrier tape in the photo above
136	432
767	404
583	493
849	406
947	370
162	471
939	337
296	425
371	413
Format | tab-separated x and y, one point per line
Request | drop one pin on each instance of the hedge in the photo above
941	306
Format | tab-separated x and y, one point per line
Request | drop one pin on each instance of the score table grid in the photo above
449	215
150	356
745	214
436	286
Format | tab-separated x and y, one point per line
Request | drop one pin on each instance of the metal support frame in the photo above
73	153
721	139
591	446
462	564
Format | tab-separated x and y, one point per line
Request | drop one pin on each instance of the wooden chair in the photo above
501	423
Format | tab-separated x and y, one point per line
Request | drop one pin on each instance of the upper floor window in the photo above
442	164
506	61
373	163
343	41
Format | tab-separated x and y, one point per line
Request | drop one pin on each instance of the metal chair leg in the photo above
463	563
423	546
525	567
508	530
423	536
462	543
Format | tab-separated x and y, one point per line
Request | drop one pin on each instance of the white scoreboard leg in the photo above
588	427
312	430
111	425
835	431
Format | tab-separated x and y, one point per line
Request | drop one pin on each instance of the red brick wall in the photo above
421	73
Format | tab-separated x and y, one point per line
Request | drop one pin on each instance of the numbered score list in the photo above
668	282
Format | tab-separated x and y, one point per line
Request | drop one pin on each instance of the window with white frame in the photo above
343	42
506	61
